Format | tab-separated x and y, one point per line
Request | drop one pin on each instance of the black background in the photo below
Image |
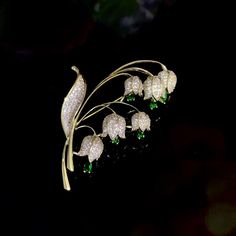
192	144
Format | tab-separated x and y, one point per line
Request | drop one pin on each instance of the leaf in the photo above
73	102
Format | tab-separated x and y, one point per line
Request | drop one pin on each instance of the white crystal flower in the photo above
140	120
153	88
168	79
92	146
133	85
114	125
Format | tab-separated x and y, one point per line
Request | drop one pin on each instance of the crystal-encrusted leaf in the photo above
72	103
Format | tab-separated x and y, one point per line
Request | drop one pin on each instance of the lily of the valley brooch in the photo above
137	82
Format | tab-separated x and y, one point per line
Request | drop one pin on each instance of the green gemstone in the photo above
88	167
153	105
140	134
115	141
130	97
164	98
165	95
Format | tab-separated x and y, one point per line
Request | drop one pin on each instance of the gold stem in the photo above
69	163
137	62
104	105
137	69
100	84
86	126
65	179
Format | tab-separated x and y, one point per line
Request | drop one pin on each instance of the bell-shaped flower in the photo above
133	85
114	125
140	120
168	79
153	88
92	146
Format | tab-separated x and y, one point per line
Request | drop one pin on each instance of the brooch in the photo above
138	82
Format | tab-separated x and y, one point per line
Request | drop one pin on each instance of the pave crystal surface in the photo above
114	125
147	87
157	87
140	120
168	79
86	145
163	75
172	80
72	103
128	86
137	86
92	146
133	85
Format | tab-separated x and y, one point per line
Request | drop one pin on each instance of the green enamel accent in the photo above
88	167
153	105
130	97
140	134
115	141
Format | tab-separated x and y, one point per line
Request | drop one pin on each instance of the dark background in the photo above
168	188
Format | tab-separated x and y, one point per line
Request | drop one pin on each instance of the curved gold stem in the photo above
86	126
65	179
137	69
103	106
139	62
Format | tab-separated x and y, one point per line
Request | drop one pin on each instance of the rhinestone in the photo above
140	134
153	105
115	141
88	167
130	97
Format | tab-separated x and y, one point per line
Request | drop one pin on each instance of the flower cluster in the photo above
114	126
155	88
